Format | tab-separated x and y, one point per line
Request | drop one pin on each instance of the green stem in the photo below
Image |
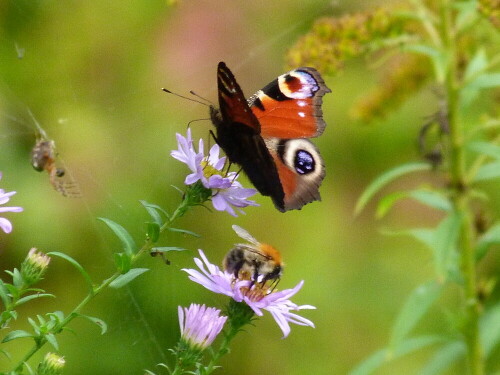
41	341
223	349
460	197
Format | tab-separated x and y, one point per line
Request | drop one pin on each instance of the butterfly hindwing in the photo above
300	168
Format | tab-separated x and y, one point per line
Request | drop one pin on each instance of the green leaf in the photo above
124	279
184	231
123	262
417	304
476	65
491	237
488	171
430	198
384	179
33	296
379	358
485	148
153	231
444	244
16	335
489	329
99	322
165	249
51	339
485	81
77	265
127	241
4	294
153	211
437	58
444	357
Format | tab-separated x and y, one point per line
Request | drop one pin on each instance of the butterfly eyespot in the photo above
304	162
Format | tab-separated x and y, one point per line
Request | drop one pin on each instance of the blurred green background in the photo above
91	74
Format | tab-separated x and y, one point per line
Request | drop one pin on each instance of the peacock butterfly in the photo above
267	134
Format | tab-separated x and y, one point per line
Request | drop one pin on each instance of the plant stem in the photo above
223	349
148	244
459	196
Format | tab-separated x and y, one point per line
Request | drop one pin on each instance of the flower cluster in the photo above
227	194
5	224
333	40
275	302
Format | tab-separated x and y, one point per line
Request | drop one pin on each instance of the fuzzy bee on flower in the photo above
255	261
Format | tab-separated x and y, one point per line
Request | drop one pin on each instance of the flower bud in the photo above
52	364
34	266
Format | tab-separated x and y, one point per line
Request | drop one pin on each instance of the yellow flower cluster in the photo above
491	10
334	40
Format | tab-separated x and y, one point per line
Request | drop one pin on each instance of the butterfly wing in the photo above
238	134
300	168
290	106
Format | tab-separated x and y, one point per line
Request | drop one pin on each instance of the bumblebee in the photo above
253	261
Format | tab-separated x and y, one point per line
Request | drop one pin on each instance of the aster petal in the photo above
11	209
4	197
221	203
6	225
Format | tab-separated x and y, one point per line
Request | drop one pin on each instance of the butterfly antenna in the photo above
198	119
202	98
184	97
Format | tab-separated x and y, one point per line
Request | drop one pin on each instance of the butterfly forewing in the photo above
290	106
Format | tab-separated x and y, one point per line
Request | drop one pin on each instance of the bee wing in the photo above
245	235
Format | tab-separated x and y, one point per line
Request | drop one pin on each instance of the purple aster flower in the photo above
257	296
5	224
227	193
200	325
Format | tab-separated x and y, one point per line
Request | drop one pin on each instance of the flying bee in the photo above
253	261
43	158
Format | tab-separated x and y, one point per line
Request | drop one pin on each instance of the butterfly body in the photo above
267	135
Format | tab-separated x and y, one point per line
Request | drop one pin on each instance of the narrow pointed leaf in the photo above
16	335
444	357
491	237
165	249
123	262
127	241
485	148
489	329
99	322
445	241
184	231
384	179
416	306
153	212
4	294
126	278
383	356
77	265
488	172
430	198
153	231
52	340
476	65
33	296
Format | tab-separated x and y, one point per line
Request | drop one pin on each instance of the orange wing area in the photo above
296	118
